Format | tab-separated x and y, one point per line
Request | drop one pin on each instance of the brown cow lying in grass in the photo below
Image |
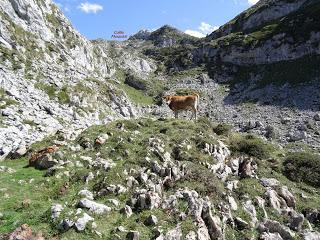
180	103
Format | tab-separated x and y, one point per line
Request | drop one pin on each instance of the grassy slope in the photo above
128	150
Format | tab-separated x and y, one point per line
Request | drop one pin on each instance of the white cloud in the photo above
252	2
90	7
195	33
203	30
206	28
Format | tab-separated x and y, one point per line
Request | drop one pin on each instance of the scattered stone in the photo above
174	234
232	203
82	222
101	140
18	153
275	201
275	227
66	224
241	224
316	117
133	235
285	120
269	182
270	236
287	196
114	202
313	215
126	211
97	208
5	169
261	203
86	194
310	235
121	229
296	222
297	136
248	168
251	210
151	221
56	209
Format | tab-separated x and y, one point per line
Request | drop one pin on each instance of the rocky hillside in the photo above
160	179
51	77
91	152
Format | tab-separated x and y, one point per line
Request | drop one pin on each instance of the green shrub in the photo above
222	129
251	145
63	96
303	167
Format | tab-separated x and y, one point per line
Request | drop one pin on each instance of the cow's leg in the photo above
176	114
194	113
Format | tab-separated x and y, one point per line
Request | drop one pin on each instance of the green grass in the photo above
54	92
149	95
137	96
14	213
49	89
7	100
29	122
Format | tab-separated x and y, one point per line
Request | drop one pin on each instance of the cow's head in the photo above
167	99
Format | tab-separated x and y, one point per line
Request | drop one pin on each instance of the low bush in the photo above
222	129
303	167
251	145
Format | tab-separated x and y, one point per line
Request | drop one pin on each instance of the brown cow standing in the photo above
180	103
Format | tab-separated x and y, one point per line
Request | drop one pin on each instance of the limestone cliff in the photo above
51	77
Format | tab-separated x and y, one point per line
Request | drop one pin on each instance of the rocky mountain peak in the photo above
143	34
165	36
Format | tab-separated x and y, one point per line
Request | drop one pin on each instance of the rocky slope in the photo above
247	169
51	77
160	179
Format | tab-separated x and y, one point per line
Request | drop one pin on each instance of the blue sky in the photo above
101	18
